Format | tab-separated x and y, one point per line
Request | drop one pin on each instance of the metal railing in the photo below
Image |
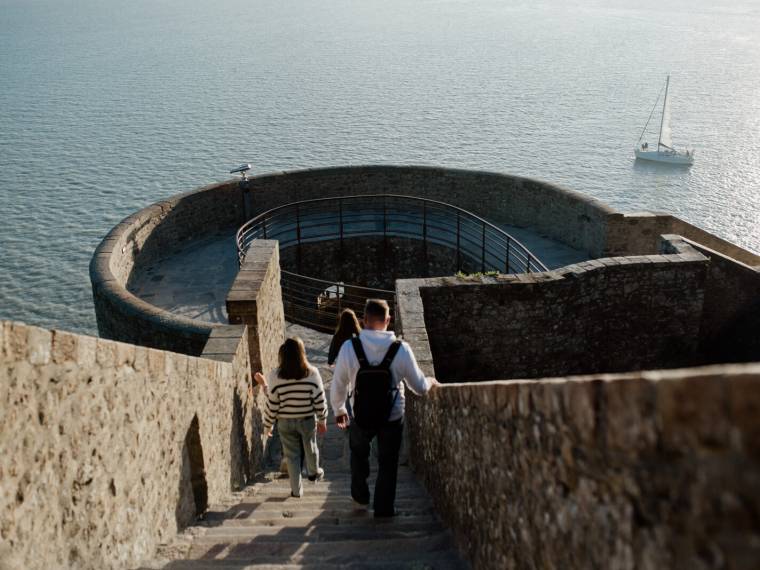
479	245
471	237
316	303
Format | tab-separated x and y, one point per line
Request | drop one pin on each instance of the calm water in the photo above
106	107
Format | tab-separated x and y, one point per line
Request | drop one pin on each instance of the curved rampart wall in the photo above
561	214
163	227
151	233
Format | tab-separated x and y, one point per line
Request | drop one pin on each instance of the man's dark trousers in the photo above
388	446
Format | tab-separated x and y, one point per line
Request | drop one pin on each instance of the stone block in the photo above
125	354
743	394
105	353
86	350
65	347
579	401
629	415
16	341
39	345
156	363
692	414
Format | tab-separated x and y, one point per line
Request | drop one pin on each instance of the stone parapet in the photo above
139	239
730	325
255	299
564	215
639	234
604	315
106	448
645	470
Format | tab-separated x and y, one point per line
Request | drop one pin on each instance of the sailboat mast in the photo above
662	120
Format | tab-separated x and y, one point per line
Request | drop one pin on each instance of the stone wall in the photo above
730	327
639	234
140	238
255	299
605	315
373	261
641	471
109	448
561	214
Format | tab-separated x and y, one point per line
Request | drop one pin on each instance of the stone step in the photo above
323	492
332	526
314	534
430	561
344	551
328	513
347	519
330	508
334	500
334	479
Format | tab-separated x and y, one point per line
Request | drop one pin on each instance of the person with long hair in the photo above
348	327
296	401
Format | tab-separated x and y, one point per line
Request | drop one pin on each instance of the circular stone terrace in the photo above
167	269
193	280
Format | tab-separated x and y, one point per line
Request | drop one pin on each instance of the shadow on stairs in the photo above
263	528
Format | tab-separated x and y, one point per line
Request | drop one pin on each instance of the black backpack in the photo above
374	390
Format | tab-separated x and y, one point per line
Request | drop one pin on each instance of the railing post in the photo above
298	223
527	263
459	251
424	222
340	220
483	251
385	217
265	227
506	259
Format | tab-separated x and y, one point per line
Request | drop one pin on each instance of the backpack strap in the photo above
390	355
359	350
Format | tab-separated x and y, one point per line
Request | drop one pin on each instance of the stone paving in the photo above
193	281
262	527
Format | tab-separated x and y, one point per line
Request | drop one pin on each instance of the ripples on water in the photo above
107	107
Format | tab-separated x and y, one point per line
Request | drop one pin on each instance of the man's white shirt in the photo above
376	344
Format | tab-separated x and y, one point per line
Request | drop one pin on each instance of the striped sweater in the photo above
295	398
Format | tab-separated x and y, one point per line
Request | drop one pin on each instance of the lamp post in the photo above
242	170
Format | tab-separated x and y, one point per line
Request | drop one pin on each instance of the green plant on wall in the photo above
464	275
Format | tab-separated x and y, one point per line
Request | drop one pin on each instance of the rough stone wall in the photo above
640	471
639	234
566	216
140	238
107	448
255	299
373	261
730	327
605	315
123	316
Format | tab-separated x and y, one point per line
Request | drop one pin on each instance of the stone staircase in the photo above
263	528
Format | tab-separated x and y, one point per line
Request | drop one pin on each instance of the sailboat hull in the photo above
666	157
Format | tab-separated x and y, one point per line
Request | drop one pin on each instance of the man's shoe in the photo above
359	506
319	475
292	494
386	515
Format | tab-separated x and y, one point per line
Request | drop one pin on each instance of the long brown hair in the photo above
293	362
348	326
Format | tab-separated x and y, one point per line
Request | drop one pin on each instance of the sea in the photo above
106	107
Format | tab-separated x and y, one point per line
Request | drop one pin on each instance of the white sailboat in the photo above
665	152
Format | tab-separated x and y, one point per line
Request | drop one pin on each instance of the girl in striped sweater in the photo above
296	401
